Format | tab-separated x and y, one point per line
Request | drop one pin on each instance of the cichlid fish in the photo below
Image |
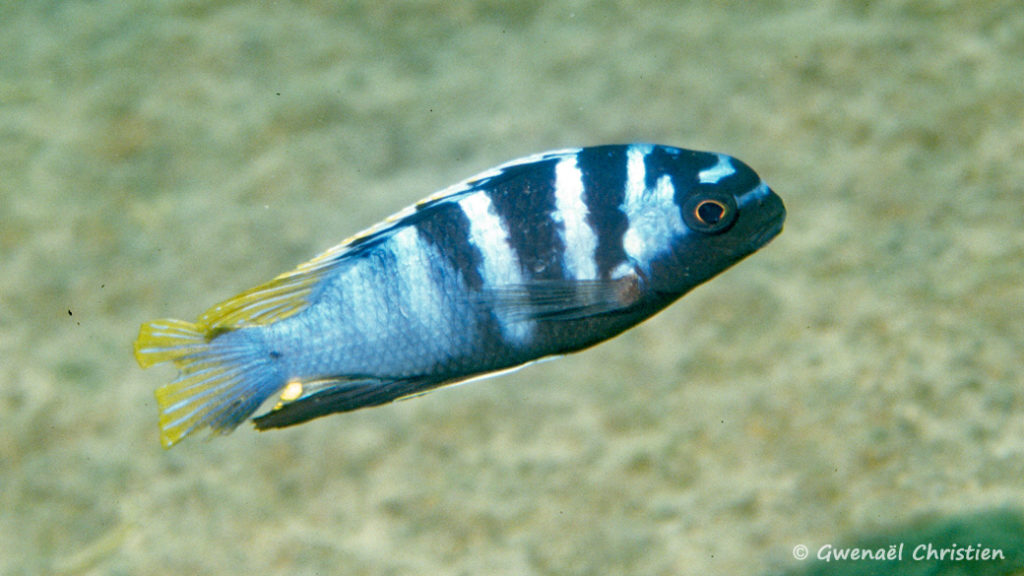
541	256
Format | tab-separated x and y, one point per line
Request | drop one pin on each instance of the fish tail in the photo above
223	378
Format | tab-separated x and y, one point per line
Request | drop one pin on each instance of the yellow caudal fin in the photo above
221	381
167	340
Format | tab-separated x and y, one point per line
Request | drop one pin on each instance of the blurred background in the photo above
863	372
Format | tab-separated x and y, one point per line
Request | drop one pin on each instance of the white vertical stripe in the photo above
420	298
636	173
499	266
654	217
577	235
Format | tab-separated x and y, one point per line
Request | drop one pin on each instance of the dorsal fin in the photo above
284	296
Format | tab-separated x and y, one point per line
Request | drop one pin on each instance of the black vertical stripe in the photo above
445	226
604	190
523	196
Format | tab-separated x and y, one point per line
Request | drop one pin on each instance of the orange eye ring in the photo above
710	213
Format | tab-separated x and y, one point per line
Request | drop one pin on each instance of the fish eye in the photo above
710	214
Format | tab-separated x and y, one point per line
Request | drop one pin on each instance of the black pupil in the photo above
710	212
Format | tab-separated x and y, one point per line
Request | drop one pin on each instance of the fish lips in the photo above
762	216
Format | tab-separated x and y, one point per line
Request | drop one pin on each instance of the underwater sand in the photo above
864	370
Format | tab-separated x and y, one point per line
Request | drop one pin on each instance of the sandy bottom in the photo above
858	382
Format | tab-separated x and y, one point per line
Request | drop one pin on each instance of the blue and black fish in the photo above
541	256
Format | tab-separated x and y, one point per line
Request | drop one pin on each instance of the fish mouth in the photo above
767	214
775	227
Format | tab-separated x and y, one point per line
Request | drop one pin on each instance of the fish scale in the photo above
538	257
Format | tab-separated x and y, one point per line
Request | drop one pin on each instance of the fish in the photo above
538	257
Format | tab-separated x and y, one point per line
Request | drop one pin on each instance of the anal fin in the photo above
326	397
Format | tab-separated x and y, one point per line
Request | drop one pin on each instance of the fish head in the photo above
725	212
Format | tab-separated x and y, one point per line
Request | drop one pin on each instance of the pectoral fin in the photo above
560	300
